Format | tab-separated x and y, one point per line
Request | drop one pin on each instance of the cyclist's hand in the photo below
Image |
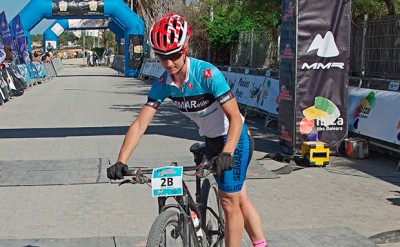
117	171
223	162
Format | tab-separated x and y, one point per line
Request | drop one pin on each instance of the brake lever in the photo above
126	181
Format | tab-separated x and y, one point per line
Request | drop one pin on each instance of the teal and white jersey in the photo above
202	93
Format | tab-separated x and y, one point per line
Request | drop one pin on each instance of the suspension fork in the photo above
161	203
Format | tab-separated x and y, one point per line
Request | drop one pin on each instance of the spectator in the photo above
46	57
9	53
49	47
106	55
35	57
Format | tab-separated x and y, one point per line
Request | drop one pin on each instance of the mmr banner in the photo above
322	51
77	7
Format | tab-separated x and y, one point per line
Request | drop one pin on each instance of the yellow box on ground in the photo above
315	153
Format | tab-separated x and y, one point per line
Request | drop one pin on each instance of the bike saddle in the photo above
198	148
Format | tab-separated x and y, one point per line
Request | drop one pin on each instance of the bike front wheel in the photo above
211	212
167	230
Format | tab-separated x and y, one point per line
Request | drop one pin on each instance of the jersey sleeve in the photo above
157	93
218	85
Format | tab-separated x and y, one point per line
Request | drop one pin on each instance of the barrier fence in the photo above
15	79
368	104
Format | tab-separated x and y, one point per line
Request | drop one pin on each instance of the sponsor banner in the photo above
4	30
57	29
374	113
322	65
287	76
20	49
77	7
88	23
254	91
50	45
135	51
153	69
24	73
33	73
40	69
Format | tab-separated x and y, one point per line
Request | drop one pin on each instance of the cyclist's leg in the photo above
234	223
229	191
252	222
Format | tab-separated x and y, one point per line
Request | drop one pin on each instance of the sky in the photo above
13	7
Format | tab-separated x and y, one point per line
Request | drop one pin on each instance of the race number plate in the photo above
167	181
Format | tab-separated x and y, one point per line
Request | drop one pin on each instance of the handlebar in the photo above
145	170
138	174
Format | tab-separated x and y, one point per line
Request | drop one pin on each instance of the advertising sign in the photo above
255	91
287	76
88	23
314	52
373	113
77	7
322	65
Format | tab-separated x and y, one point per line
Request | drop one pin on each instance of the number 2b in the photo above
167	182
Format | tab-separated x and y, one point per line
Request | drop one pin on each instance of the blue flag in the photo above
4	30
20	40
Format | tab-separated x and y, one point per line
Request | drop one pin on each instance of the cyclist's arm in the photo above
231	110
135	132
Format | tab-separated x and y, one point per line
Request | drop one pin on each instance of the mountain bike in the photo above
185	221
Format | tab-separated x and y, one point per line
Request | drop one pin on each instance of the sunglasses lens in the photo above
171	57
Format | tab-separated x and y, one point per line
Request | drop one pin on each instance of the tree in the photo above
373	8
65	37
37	37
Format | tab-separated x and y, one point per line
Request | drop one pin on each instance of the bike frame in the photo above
185	203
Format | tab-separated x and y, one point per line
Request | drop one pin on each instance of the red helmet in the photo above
169	34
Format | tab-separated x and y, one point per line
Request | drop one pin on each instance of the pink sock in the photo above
260	243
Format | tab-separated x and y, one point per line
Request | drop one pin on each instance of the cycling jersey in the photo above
202	93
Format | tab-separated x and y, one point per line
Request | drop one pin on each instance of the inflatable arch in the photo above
131	24
58	27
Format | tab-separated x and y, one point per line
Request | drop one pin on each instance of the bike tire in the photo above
209	199
167	230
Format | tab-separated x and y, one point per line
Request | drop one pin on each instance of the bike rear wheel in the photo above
211	210
167	230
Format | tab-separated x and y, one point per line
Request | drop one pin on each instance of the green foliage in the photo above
98	50
65	37
373	8
229	18
37	38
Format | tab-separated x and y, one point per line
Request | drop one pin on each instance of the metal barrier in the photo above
118	64
57	64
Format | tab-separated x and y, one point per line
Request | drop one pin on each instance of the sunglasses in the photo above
172	57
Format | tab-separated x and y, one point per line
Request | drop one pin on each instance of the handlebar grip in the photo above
131	172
